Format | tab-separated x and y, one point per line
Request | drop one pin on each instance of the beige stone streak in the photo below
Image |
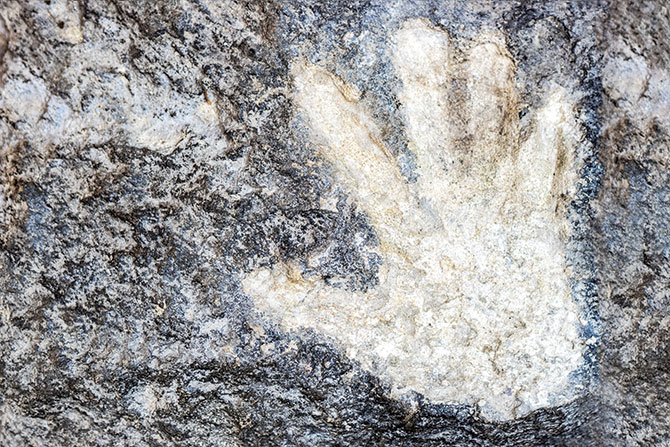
351	142
422	57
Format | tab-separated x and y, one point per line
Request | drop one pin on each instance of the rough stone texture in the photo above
473	302
152	157
634	227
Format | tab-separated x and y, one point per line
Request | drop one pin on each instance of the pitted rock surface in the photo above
256	223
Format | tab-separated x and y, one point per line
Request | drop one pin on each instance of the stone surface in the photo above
334	223
473	303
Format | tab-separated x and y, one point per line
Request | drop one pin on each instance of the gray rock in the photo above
153	157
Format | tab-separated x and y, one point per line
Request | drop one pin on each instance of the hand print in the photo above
473	303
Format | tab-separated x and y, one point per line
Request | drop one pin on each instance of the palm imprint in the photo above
473	303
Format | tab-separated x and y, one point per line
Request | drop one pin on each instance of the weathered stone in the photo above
334	223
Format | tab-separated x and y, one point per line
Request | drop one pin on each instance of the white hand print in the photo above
473	303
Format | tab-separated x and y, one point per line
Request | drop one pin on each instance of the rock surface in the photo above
334	223
473	302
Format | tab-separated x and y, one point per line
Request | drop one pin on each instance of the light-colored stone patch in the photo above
643	92
473	303
114	107
143	401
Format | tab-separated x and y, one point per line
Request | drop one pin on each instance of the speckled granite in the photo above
157	158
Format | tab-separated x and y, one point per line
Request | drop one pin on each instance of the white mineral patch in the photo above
473	303
643	92
146	116
143	401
